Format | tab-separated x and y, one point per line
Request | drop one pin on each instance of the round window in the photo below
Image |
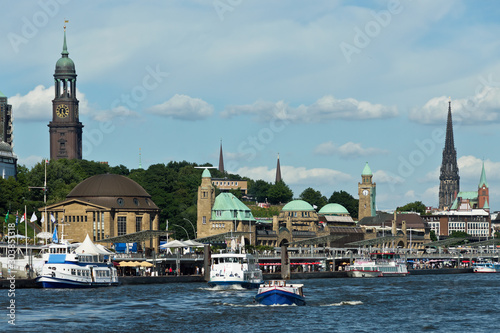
120	201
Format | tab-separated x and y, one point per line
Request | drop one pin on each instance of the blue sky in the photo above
329	85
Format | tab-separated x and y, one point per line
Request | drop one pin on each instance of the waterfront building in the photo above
367	194
449	180
104	206
65	128
405	230
469	213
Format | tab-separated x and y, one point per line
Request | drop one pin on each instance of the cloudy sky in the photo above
327	85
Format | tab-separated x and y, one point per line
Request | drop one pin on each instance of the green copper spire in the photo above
483	181
65	52
367	171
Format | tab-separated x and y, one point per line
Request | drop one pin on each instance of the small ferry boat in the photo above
486	267
77	266
229	269
278	292
379	265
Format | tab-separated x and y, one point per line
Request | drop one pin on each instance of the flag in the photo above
33	217
54	236
7	217
52	218
23	218
42	220
47	162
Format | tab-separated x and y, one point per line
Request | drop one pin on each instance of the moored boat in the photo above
77	266
486	267
278	292
379	265
233	269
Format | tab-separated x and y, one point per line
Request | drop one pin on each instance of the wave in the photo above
344	303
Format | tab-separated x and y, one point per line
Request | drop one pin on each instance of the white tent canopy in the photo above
88	247
193	243
175	243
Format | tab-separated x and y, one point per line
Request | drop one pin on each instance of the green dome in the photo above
206	174
333	209
367	171
298	205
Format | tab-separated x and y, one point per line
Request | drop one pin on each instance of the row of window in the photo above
122	224
294	214
225	183
218	225
76	218
478	225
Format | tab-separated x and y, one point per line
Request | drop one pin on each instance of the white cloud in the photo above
120	112
37	104
483	107
410	195
325	108
349	149
383	177
315	177
183	107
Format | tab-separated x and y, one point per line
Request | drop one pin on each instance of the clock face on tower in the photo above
365	192
62	111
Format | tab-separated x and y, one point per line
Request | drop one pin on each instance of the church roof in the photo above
366	170
333	209
482	180
470	195
298	205
2	95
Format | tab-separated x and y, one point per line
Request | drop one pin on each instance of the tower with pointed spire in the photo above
483	192
367	194
278	171
449	180
65	128
221	159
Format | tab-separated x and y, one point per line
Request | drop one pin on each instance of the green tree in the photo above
259	190
279	193
433	236
315	198
459	234
348	201
416	207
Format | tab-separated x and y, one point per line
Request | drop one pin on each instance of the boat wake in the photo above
223	288
344	303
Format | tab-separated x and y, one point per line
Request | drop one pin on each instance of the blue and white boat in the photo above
233	269
486	267
278	292
82	265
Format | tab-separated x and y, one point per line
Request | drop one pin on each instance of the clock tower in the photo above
65	128
366	193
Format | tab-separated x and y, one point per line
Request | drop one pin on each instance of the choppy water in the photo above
441	303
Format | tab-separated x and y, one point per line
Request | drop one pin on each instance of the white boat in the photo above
77	266
229	269
486	267
278	292
379	265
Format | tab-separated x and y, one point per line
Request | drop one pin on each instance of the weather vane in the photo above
65	21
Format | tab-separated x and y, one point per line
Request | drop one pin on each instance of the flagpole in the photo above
26	229
45	201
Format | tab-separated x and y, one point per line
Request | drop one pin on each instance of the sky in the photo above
327	85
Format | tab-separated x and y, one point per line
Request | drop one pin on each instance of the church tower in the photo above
65	128
483	192
366	193
449	180
278	171
221	159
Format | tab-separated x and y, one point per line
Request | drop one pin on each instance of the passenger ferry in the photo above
486	267
379	265
278	292
77	266
232	269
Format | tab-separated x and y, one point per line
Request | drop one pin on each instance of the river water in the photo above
438	303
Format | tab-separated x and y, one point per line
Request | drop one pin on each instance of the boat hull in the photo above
50	282
279	297
364	274
228	284
489	268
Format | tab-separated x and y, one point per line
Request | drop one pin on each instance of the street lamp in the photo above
195	233
176	225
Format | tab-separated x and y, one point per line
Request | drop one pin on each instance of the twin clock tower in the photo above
65	128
